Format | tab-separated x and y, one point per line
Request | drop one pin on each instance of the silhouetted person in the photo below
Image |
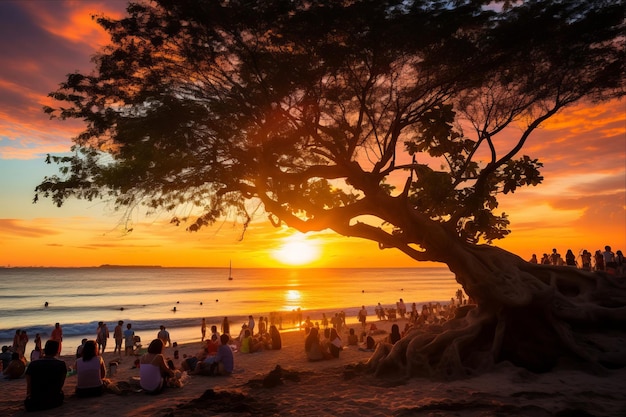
44	380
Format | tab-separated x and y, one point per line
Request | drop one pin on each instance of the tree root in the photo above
535	316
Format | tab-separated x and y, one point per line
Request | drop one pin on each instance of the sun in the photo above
297	250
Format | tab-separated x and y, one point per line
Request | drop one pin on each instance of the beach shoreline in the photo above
335	388
80	298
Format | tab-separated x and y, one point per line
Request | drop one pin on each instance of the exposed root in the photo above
534	316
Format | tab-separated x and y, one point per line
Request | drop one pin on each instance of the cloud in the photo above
581	139
41	43
21	228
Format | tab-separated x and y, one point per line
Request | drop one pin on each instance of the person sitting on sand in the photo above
374	330
242	333
353	339
79	349
313	347
275	340
35	354
335	346
6	356
212	345
324	338
215	333
16	367
44	380
90	371
191	364
224	362
370	345
250	344
201	364
153	371
394	336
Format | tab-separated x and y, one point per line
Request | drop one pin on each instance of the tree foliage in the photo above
310	107
314	109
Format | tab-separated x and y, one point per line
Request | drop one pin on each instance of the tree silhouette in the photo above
313	110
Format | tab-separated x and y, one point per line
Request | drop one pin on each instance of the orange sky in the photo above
580	205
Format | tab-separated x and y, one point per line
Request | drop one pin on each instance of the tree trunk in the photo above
531	315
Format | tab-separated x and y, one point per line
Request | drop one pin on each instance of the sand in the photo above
333	388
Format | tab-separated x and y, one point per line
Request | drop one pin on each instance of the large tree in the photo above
314	109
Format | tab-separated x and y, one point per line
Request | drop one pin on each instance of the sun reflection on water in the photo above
292	300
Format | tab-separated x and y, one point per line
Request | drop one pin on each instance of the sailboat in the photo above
230	270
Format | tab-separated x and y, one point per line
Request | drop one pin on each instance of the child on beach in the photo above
129	336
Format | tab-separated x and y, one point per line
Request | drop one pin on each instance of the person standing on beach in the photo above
401	308
16	341
57	336
554	257
586	260
251	324
609	260
262	326
164	336
129	335
22	343
225	326
45	379
599	258
363	316
38	341
118	335
102	334
203	329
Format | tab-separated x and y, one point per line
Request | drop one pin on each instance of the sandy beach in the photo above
336	388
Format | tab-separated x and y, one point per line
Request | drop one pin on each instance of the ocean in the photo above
178	298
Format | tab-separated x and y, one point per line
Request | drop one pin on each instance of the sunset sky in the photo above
580	205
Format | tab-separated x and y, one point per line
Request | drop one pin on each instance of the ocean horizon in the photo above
178	298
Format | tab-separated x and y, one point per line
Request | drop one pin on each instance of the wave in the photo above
89	328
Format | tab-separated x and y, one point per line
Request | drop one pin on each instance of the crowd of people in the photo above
214	357
324	339
607	261
45	373
326	342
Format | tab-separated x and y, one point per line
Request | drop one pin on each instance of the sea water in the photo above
178	298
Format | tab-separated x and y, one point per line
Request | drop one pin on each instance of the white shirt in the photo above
88	372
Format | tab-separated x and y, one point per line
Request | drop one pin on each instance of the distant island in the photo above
129	266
